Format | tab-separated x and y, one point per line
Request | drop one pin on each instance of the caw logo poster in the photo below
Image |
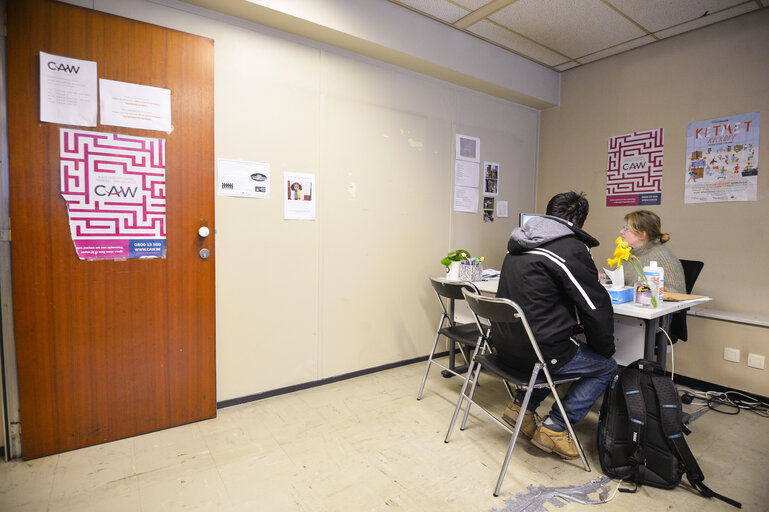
634	170
115	189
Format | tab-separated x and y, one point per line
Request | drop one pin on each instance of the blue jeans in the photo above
595	373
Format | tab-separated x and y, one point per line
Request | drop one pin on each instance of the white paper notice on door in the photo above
134	105
67	90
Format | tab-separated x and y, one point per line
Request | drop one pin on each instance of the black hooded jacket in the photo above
549	272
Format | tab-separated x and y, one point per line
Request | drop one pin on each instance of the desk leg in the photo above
652	341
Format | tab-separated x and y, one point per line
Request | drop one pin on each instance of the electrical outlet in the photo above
756	361
732	354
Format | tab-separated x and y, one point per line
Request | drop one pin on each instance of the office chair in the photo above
466	335
497	362
678	330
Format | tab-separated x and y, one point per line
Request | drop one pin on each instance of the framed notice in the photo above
468	148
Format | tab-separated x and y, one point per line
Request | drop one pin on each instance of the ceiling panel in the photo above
614	50
656	15
441	9
562	34
710	19
505	38
564	25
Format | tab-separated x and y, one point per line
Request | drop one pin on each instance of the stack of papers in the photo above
676	297
489	273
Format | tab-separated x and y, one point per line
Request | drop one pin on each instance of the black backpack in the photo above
640	433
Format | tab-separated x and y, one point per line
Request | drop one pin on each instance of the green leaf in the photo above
458	255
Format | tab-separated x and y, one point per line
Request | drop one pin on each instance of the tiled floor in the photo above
359	445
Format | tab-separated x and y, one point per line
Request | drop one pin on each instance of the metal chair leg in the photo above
482	345
566	420
472	395
518	424
430	358
459	402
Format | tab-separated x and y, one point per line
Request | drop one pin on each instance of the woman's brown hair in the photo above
644	221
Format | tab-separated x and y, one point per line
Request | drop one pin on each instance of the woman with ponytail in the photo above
643	233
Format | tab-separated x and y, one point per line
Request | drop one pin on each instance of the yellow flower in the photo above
621	253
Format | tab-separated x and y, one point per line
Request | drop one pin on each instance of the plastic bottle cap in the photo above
652	263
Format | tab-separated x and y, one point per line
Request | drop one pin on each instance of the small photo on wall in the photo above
488	209
490	178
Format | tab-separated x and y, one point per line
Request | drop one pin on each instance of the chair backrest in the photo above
692	270
451	289
506	311
448	291
678	329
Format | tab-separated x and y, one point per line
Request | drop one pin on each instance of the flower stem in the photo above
643	279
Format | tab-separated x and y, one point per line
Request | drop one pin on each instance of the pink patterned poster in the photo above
115	189
634	172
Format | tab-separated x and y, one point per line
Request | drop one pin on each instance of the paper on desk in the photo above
677	297
490	272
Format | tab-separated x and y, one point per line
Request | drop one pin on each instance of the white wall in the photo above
299	301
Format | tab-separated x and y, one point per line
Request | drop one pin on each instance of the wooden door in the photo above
109	349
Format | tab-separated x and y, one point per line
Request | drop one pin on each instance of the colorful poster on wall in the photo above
722	159
634	171
115	189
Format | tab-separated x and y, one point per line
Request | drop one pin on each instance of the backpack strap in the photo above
636	408
670	419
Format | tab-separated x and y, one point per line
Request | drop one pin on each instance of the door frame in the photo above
9	383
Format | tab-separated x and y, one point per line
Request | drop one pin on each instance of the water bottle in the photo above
656	277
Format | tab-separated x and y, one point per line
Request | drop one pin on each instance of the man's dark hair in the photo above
570	206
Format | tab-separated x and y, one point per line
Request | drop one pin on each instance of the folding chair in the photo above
466	335
498	363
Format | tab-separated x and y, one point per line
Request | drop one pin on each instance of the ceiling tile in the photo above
474	5
564	25
617	49
654	15
440	9
518	44
707	20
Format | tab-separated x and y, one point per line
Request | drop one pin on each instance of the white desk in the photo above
629	339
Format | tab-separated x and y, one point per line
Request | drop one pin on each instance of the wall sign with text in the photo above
634	170
115	189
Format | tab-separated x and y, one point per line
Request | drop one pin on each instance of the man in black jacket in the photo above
549	272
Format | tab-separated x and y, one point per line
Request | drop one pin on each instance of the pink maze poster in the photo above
634	169
115	189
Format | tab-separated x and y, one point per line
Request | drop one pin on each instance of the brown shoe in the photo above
529	424
559	443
